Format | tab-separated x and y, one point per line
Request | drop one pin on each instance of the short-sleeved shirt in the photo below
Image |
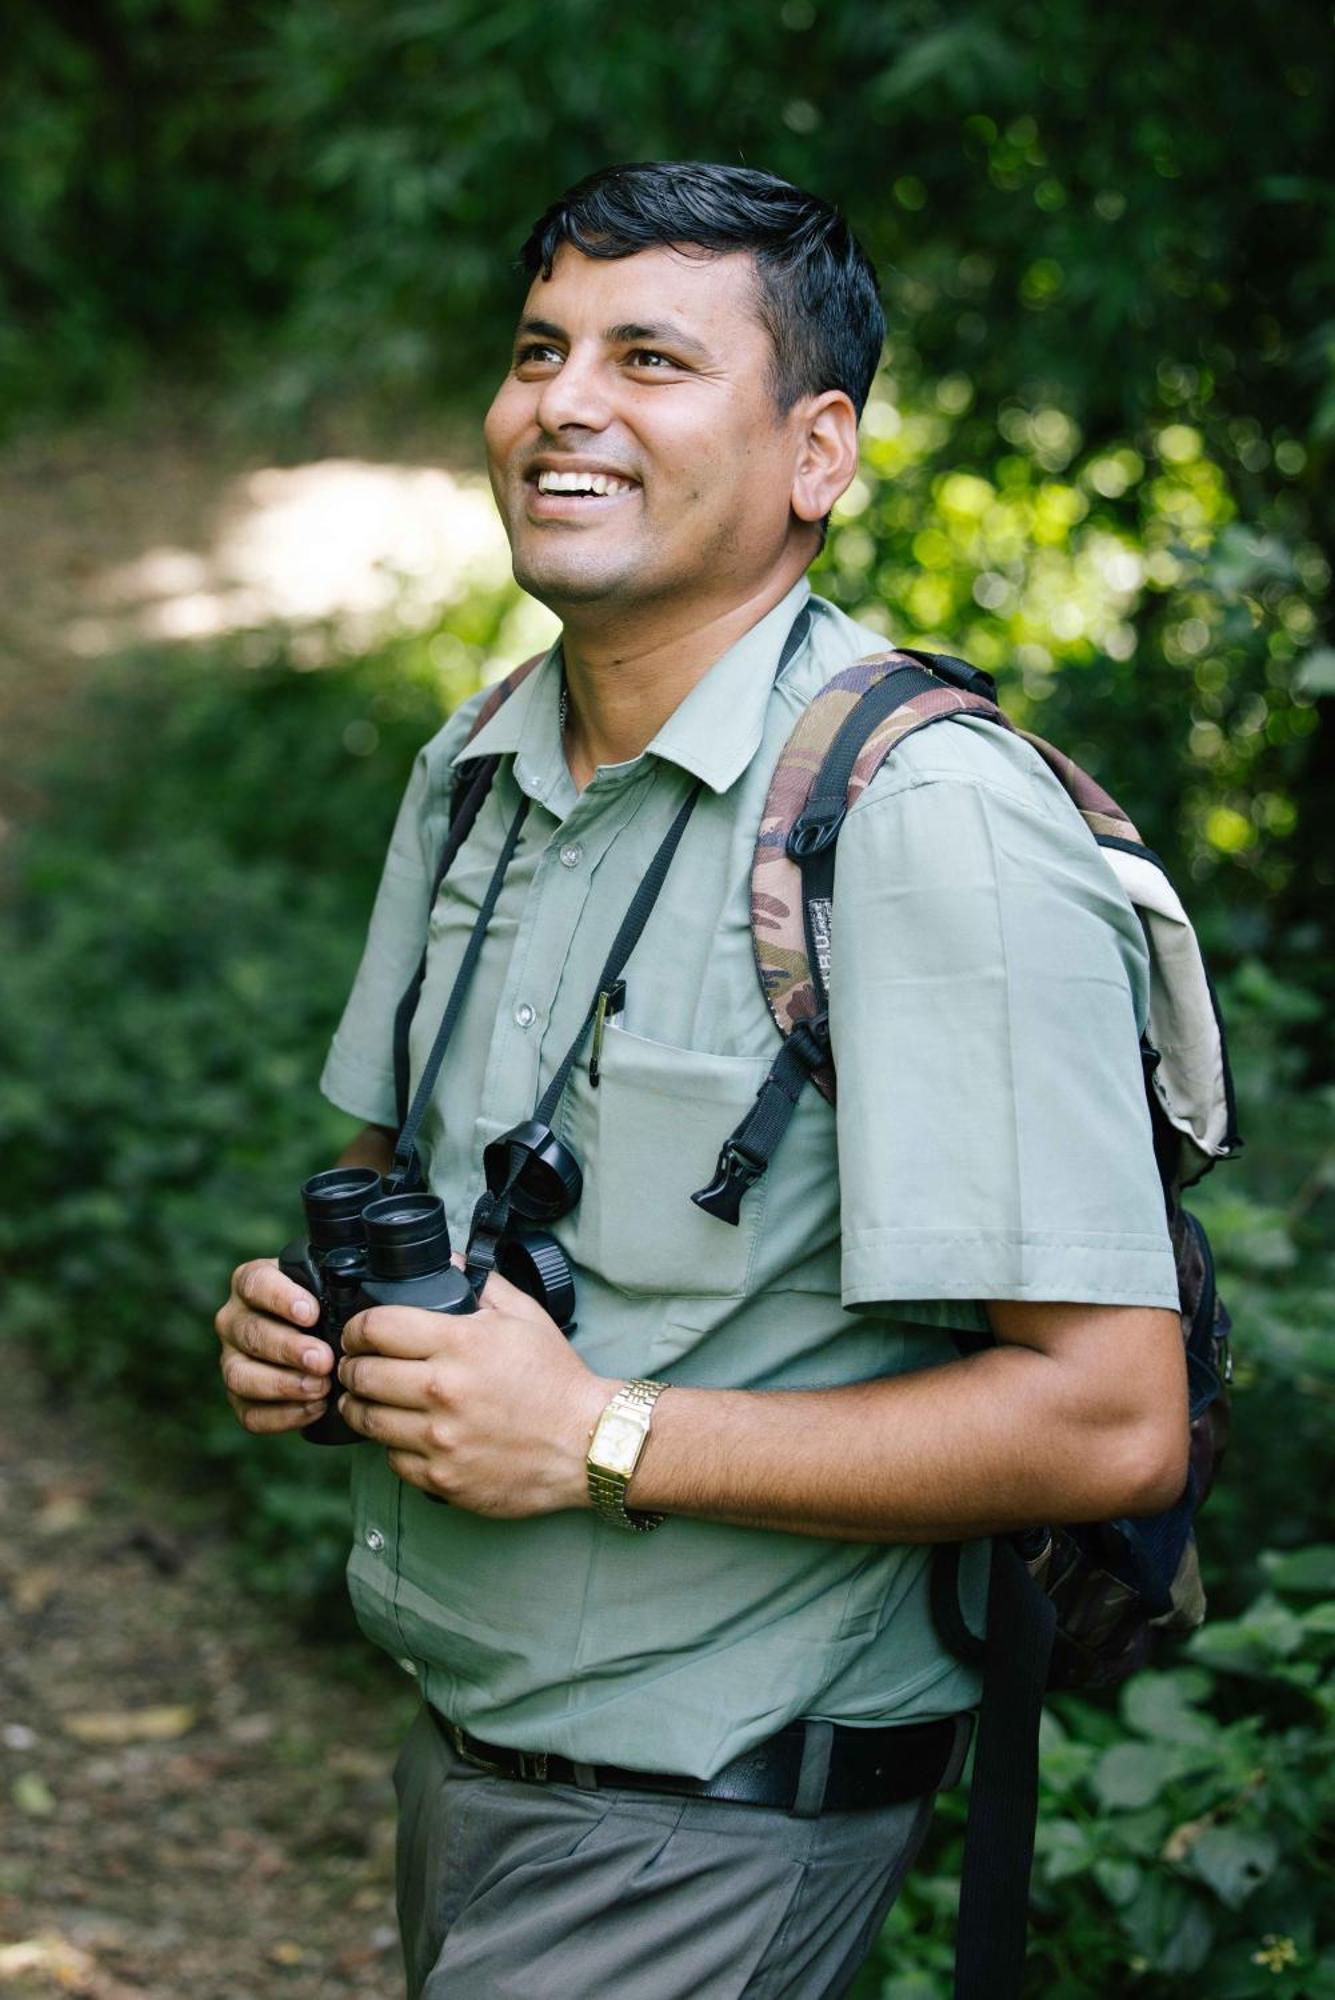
991	1141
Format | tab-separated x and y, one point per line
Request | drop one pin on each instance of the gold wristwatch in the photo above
614	1452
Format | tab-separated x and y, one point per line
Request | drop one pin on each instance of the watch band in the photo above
608	1483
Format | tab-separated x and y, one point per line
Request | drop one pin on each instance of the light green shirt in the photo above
991	1141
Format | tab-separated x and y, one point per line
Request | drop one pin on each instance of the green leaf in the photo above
1169	1924
1132	1774
1306	1572
1233	1861
1189	1946
1160	1705
1268	1632
1119	1880
1064	1849
31	1794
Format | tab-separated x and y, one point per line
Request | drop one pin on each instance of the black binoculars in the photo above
365	1247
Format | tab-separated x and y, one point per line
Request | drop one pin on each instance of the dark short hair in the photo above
816	289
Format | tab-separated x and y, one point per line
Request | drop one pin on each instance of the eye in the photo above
537	354
650	359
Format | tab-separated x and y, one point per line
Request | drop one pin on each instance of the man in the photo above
678	420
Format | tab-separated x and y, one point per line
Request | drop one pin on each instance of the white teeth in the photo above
600	483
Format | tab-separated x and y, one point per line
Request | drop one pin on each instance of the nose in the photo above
576	397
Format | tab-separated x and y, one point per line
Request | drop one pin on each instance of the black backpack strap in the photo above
805	1050
1003	1794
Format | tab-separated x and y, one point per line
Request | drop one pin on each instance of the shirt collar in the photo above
714	733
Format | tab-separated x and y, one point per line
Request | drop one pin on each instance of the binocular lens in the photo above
406	1235
334	1201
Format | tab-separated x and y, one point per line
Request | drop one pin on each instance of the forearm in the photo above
1000	1440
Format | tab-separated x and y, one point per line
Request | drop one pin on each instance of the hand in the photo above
277	1378
491	1410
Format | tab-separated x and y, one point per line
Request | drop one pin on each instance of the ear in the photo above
827	453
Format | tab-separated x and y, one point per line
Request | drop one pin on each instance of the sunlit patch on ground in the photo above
343	551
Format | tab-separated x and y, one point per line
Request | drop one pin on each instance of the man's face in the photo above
635	449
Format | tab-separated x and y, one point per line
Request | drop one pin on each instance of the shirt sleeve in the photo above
988	986
358	1075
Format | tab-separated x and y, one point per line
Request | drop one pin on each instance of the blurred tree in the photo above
1108	250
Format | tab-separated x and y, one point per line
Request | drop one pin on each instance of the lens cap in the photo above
536	1263
406	1235
334	1201
549	1181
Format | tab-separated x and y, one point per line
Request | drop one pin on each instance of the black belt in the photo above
808	1768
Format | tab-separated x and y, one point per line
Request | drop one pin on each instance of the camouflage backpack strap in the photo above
838	745
473	780
498	695
1097	808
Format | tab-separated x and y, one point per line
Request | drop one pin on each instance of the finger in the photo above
499	1295
268	1419
263	1286
257	1381
412	1470
404	1430
402	1333
266	1339
403	1385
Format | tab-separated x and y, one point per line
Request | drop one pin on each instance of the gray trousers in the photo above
515	1891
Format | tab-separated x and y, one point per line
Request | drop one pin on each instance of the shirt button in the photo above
525	1015
375	1541
572	855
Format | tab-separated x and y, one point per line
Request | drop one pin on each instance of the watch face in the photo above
617	1445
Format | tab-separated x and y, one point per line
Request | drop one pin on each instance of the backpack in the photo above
1069	1606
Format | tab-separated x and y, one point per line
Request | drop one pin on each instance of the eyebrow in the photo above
629	331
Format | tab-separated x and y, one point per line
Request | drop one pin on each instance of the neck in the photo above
623	685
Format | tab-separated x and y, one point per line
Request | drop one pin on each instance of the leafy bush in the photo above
184	929
1184	1839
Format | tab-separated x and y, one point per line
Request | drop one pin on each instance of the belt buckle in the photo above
462	1748
532	1765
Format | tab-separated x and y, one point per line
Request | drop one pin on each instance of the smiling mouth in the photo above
581	485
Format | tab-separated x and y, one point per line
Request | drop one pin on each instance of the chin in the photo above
556	583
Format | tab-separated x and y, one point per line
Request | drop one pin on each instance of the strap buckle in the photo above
815	828
735	1172
531	1765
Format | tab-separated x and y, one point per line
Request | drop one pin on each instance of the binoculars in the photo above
366	1247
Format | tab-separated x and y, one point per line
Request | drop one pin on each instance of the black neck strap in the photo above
405	1171
469	802
491	1215
623	944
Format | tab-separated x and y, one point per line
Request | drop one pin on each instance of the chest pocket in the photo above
647	1138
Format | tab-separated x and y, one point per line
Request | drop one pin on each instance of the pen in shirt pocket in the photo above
610	1001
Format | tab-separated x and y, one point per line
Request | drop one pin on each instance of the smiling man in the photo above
685	1710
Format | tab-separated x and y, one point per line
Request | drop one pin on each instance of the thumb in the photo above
501	1296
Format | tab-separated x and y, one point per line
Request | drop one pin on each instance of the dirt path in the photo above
194	1804
191	1804
164	528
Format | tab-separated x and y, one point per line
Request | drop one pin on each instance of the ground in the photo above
196	1803
192	1801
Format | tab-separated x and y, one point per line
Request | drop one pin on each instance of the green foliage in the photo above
183	934
1127	614
1098	458
1184	1842
1097	461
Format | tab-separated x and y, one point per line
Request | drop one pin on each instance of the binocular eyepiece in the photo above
366	1247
